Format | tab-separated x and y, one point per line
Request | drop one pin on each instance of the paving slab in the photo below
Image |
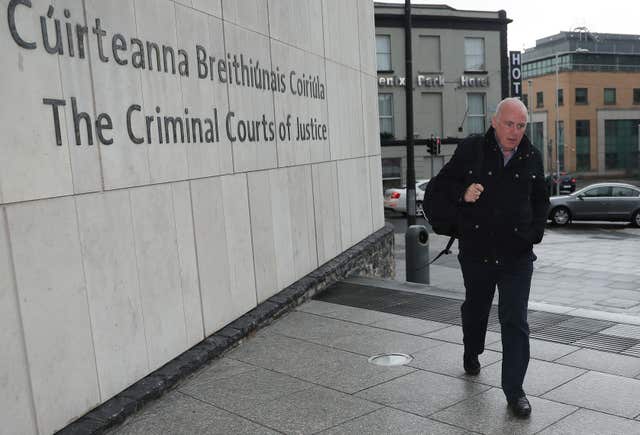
541	349
220	369
333	368
180	414
605	362
393	422
422	392
409	325
348	336
601	392
621	330
487	413
309	411
343	312
587	422
542	376
618	303
244	390
447	359
453	334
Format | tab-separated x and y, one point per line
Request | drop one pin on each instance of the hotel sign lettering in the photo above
434	81
422	80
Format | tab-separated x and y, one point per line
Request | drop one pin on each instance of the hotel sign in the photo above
422	81
434	81
474	82
515	73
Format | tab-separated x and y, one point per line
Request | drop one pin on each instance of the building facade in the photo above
460	73
583	94
167	166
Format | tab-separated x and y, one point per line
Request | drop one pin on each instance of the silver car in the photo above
396	198
597	202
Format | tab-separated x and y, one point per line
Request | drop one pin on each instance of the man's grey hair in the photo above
512	100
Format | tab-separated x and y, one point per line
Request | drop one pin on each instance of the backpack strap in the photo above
446	250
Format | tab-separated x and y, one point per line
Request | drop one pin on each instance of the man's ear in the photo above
493	122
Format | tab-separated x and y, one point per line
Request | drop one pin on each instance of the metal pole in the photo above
557	131
530	102
432	174
411	172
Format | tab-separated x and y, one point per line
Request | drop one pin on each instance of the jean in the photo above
513	281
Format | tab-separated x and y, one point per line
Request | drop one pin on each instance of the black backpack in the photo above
440	210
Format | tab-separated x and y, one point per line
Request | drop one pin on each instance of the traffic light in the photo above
437	147
431	146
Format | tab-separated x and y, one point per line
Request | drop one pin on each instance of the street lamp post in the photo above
411	174
557	131
530	103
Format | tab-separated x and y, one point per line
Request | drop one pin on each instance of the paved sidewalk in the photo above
308	372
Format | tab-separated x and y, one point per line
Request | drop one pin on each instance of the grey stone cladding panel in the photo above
15	400
297	23
53	306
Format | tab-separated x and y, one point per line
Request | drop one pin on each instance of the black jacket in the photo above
511	213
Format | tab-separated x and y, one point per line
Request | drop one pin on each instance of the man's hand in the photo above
473	192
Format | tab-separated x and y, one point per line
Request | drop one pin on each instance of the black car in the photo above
567	183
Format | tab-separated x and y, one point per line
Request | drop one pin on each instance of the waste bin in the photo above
417	254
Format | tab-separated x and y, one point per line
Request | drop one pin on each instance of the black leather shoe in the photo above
520	407
471	364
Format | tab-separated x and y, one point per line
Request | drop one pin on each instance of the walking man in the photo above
498	181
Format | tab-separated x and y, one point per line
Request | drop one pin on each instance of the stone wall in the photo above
165	167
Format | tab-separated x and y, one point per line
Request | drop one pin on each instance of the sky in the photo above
540	18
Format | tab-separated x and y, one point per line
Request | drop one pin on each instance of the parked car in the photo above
396	198
601	202
567	183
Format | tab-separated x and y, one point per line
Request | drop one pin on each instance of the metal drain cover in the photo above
391	359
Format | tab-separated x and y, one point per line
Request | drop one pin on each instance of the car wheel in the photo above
560	216
635	220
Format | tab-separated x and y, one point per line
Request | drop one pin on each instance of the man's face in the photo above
509	125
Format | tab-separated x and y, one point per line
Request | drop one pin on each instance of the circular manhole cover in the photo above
391	359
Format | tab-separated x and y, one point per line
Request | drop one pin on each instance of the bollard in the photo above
417	254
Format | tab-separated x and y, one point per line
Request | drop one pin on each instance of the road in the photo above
588	266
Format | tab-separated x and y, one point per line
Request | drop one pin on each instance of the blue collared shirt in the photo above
505	159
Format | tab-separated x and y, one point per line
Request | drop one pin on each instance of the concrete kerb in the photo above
352	261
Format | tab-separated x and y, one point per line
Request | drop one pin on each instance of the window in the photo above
539	99
385	114
624	192
636	95
583	146
391	168
536	136
609	95
475	113
598	192
560	97
621	144
582	96
474	54
383	52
